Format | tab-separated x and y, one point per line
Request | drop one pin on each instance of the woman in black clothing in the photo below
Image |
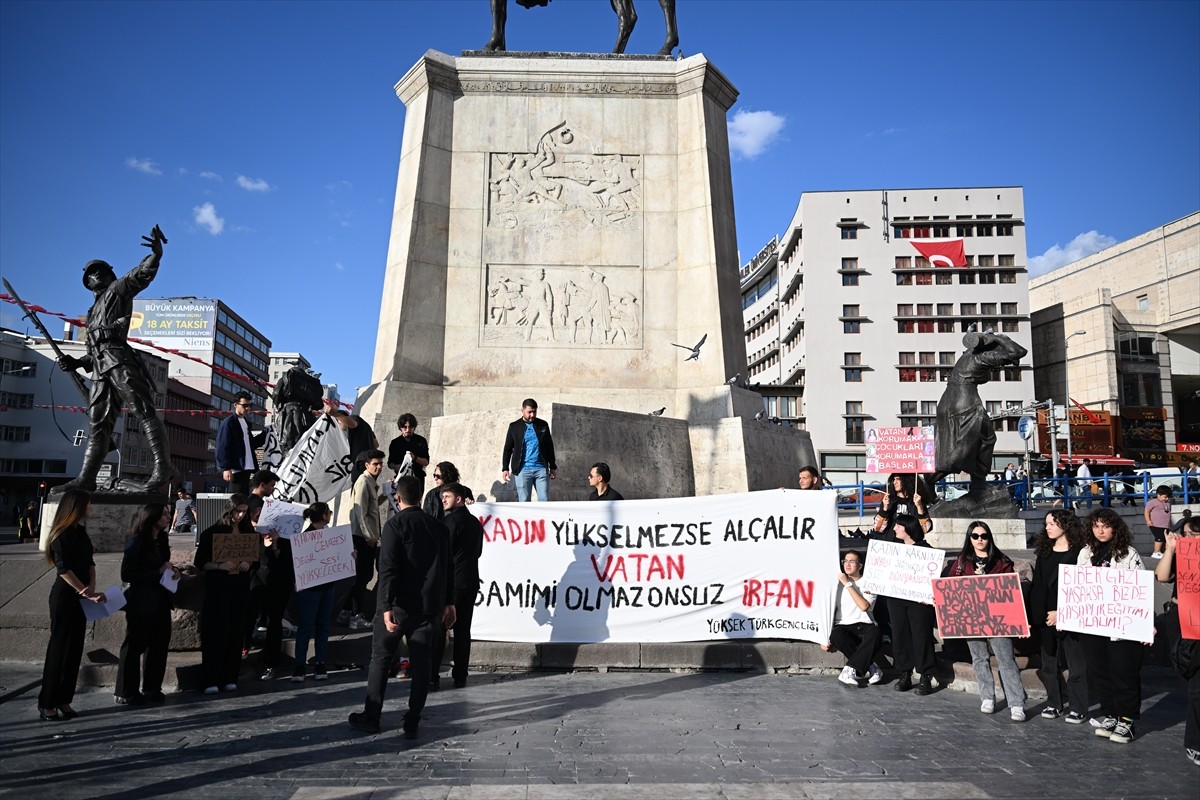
277	578
912	621
147	607
444	474
1059	543
226	591
901	497
69	550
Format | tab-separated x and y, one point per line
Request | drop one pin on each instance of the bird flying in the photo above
695	350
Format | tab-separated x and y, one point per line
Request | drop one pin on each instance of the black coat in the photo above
466	547
514	445
141	568
414	565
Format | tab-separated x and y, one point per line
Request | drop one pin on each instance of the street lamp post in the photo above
1067	407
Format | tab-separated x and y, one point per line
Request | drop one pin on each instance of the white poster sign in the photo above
1117	603
114	601
318	467
286	519
322	556
743	566
900	570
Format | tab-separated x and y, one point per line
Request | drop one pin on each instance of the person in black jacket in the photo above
414	592
444	474
69	551
275	583
912	621
529	451
226	592
147	607
466	547
1058	543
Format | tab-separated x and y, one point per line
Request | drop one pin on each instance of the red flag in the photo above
943	254
1095	420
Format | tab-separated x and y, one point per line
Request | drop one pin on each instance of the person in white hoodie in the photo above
1114	665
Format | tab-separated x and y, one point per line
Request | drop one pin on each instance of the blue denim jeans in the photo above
315	607
536	478
1010	676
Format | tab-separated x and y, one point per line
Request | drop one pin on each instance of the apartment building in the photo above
849	325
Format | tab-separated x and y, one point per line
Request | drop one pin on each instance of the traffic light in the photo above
41	488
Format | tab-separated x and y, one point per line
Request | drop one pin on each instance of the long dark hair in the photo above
316	513
906	485
1043	545
231	506
72	510
1122	539
968	550
144	522
449	472
912	526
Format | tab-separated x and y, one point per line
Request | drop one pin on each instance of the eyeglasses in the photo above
849	561
437	476
245	405
981	536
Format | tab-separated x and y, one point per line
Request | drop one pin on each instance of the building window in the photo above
945	326
851	326
924	279
904	310
16	400
908	375
941	231
945	309
987	308
849	233
987	277
987	261
1007	260
1010	326
1008	277
14	433
906	326
853	375
852	359
966	277
849	263
854	422
1008	308
850	279
18	369
903	262
1012	375
1143	302
924	309
943	278
904	279
983	230
968	309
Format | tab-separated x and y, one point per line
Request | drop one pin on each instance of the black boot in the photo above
903	683
164	470
925	686
93	457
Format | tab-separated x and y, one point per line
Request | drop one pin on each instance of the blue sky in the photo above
264	136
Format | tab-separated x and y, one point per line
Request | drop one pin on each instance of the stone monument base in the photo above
110	521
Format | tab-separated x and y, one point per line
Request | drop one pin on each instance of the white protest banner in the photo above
318	467
286	519
740	566
900	570
1117	603
114	601
900	449
322	556
272	455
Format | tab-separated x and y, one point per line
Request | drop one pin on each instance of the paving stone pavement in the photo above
627	736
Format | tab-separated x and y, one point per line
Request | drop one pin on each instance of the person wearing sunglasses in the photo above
236	445
444	474
981	556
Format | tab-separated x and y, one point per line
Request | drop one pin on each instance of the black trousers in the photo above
240	484
274	601
222	632
1059	650
362	599
860	643
912	635
148	634
1115	668
464	607
1191	727
418	631
64	651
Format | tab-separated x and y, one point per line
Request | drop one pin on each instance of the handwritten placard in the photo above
1117	603
980	606
234	547
322	556
1187	584
280	516
900	449
901	570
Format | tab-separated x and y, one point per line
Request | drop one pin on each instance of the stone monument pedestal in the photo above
563	229
110	521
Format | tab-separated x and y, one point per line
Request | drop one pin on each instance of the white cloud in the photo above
206	217
145	165
253	184
212	176
751	132
339	186
1081	246
339	266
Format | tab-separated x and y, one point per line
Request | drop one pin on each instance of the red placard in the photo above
1187	583
980	606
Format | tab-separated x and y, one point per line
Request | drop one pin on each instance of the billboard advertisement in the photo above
177	323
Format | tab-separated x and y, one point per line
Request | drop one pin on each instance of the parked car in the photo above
872	496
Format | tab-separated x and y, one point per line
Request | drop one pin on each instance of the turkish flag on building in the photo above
943	254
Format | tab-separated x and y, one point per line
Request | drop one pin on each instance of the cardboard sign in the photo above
1187	585
980	606
235	547
1116	603
285	519
322	556
901	570
736	566
900	449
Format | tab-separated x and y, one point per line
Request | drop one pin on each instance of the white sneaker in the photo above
211	690
874	674
848	676
988	706
1018	714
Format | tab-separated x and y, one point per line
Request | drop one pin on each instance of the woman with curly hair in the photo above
1114	665
147	608
981	556
1058	543
444	474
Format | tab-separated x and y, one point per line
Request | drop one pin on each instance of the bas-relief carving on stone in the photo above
562	186
562	307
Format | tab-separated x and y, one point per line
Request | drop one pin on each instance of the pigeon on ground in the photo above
658	413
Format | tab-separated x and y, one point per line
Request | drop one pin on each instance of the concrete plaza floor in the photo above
583	735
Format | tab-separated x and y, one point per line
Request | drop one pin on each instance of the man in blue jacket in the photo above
529	451
235	446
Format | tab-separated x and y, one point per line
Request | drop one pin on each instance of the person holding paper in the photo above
315	608
408	453
981	556
854	632
1059	543
275	582
1114	665
226	590
147	608
912	621
1165	572
69	551
901	498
